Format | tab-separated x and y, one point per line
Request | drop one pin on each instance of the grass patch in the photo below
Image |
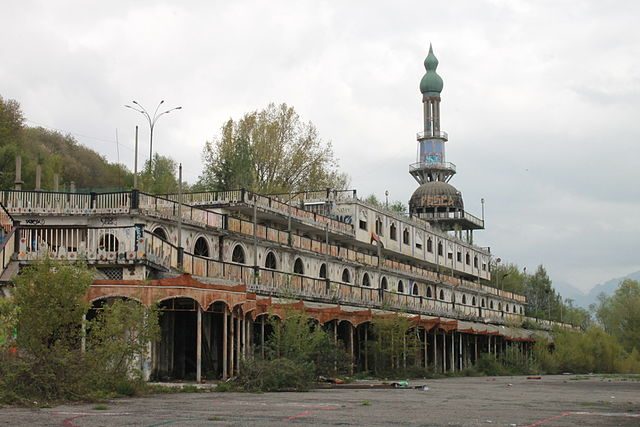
100	407
366	403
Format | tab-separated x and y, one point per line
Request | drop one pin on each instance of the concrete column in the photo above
475	359
224	345
366	347
72	187
262	335
18	182
199	347
444	352
461	354
426	337
38	177
238	335
351	349
453	352
435	350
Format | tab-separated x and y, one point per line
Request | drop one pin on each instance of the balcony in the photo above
440	134
446	166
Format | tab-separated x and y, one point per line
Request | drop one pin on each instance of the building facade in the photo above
218	263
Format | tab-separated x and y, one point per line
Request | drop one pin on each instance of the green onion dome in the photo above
431	82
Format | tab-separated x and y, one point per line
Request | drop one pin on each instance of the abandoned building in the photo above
218	263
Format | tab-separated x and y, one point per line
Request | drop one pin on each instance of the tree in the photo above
619	314
270	151
159	175
47	361
396	206
11	126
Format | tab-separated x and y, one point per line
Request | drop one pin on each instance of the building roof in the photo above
436	194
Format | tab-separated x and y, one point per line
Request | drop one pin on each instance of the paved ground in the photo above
500	401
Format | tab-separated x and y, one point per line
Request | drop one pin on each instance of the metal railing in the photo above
432	165
433	134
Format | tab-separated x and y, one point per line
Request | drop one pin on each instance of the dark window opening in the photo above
405	236
346	276
238	255
270	261
201	248
365	280
323	271
298	266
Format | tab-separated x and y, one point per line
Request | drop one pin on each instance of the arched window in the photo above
429	245
506	308
365	280
521	310
323	271
109	243
464	299
346	276
405	236
270	261
383	283
500	306
159	231
441	294
473	301
393	231
482	302
491	305
429	294
475	262
514	309
467	259
453	297
400	286
414	291
298	266
238	255
201	248
440	249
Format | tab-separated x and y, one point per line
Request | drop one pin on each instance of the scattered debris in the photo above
534	378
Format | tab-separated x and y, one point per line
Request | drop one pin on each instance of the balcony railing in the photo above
128	245
432	165
433	134
452	215
273	204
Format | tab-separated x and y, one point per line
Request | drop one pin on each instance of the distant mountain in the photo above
584	299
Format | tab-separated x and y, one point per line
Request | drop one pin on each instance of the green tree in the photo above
47	361
396	206
270	151
11	126
118	340
394	345
619	314
160	175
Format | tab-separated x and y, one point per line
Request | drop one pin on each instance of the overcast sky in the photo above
541	99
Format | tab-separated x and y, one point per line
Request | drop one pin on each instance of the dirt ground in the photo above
499	401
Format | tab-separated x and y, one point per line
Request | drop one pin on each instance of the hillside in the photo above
57	153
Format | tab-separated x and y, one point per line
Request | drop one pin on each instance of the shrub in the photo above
279	374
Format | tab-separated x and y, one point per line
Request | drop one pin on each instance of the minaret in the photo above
436	201
431	164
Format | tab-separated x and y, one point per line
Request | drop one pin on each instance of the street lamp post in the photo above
151	120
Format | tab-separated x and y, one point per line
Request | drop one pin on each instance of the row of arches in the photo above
201	248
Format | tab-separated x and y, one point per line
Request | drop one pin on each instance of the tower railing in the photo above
432	165
433	134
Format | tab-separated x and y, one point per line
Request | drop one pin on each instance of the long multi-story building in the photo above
218	263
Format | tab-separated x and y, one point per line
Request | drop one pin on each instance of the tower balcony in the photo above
442	166
440	134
